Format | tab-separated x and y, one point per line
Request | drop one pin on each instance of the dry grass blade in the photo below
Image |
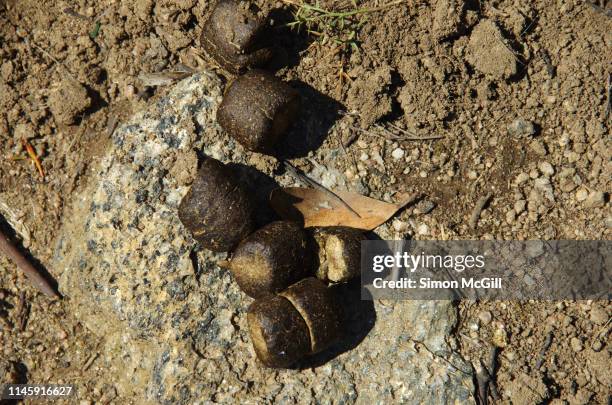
389	135
162	78
338	26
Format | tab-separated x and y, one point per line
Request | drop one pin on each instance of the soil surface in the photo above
515	91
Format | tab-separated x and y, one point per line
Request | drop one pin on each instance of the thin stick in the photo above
609	105
492	369
303	177
394	137
480	204
23	312
29	42
542	354
20	261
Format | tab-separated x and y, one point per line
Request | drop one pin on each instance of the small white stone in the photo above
397	154
576	344
582	194
510	216
519	206
423	229
485	317
521	178
542	184
364	156
546	169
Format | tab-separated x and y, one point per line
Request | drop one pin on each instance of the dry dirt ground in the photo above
517	90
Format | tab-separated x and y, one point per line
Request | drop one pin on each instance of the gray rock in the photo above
174	322
521	127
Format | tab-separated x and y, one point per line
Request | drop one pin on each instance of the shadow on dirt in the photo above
318	115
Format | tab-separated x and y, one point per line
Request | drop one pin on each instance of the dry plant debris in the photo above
316	208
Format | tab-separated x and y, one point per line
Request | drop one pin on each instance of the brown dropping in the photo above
233	35
258	109
217	209
339	250
272	258
318	307
279	334
312	208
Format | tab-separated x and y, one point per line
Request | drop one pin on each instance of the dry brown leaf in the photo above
316	208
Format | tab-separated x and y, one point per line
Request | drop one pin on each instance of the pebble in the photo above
598	315
397	154
576	344
423	229
24	131
485	317
597	345
582	194
424	207
567	185
510	216
564	139
519	206
542	184
500	337
546	169
521	178
521	127
595	200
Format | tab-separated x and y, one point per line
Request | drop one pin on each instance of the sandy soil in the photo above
516	89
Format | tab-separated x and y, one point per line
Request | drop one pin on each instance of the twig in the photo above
480	204
73	13
90	361
24	310
547	343
37	279
491	367
394	137
549	66
533	20
303	177
32	43
609	104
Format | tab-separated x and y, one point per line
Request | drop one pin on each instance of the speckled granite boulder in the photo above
174	323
